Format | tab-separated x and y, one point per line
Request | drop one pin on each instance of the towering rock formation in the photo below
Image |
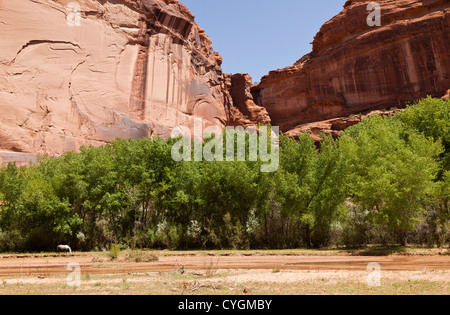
355	68
84	72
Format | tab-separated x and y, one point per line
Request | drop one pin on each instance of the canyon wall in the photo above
354	67
72	76
85	72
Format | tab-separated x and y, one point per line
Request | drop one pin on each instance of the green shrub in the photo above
114	251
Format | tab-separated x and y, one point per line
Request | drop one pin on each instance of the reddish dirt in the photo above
54	264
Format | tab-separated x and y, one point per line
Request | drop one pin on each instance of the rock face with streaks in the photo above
85	72
356	68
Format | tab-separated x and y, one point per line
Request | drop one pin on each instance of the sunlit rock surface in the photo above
356	68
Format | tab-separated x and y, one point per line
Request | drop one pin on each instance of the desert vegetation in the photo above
385	181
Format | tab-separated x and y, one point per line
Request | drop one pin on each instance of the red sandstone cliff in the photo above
118	69
355	68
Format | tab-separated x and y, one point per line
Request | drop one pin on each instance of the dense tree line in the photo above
385	181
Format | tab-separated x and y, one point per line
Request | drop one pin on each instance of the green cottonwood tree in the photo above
393	169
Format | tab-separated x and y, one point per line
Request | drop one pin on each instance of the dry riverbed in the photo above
229	272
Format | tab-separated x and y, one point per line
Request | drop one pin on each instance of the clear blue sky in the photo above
256	36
